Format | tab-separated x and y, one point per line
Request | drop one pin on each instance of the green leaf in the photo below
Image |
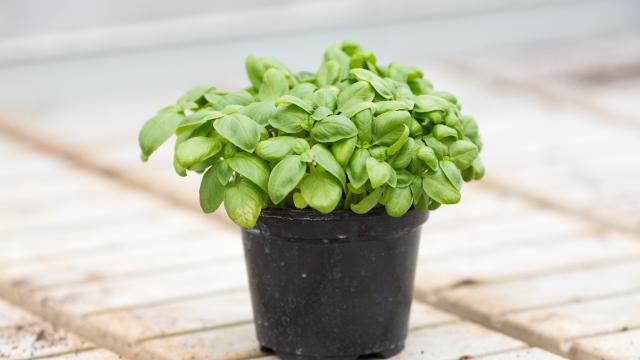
420	198
439	188
260	112
321	191
478	168
368	202
292	100
328	74
363	121
391	105
357	93
463	152
388	127
379	172
255	71
289	119
333	128
321	113
239	130
420	86
243	202
396	146
439	148
397	200
298	201
403	157
193	98
157	130
276	148
352	108
428	103
196	149
404	178
274	85
251	167
235	98
303	90
198	118
325	98
429	157
443	131
324	158
334	52
357	169
376	82
445	95
343	149
284	177
452	173
224	172
211	191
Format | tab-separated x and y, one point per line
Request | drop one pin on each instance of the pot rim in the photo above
339	214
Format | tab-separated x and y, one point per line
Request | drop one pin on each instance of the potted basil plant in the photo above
331	175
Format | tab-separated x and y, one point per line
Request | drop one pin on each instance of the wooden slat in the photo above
528	354
12	316
37	340
88	355
620	346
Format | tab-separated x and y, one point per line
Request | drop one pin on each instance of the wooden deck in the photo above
102	257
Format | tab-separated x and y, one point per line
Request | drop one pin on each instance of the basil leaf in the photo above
396	146
198	118
343	149
405	178
298	201
333	128
321	191
156	131
284	177
362	121
328	74
235	98
376	82
469	127
239	130
325	98
420	86
243	202
324	158
289	119
292	100
335	53
321	113
445	95
397	200
274	85
380	172
463	152
193	98
420	199
429	157
478	168
391	105
357	169
358	92
443	131
255	71
428	103
352	108
439	148
452	173
388	127
368	202
303	90
251	167
224	172
403	157
211	191
276	148
260	112
196	149
439	188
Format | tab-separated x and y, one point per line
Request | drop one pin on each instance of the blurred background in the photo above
553	84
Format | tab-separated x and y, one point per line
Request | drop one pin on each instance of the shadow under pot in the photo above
332	286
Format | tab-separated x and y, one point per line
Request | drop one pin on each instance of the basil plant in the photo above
354	135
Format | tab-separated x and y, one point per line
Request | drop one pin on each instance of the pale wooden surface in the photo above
543	257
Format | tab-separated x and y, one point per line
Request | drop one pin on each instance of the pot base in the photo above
385	354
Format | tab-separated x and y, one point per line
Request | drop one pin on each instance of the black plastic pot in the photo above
334	286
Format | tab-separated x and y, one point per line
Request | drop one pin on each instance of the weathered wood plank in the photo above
525	260
37	340
556	328
88	355
488	303
528	354
11	315
619	346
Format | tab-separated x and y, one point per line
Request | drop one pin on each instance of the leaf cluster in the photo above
353	135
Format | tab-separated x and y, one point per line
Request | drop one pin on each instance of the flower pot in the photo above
334	286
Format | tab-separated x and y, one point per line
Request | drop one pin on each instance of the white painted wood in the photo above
525	260
136	291
528	354
36	340
88	355
487	302
11	315
619	346
455	341
556	327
